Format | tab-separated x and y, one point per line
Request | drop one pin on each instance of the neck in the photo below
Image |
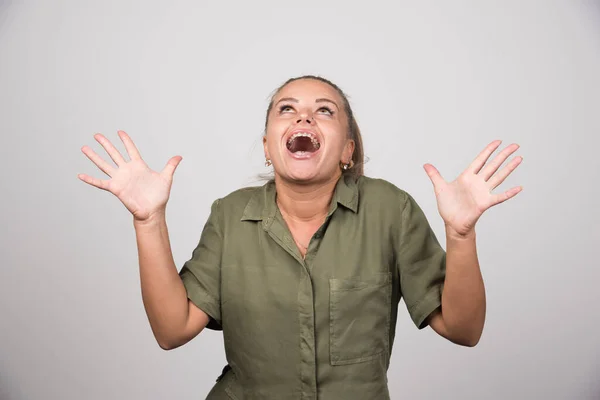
305	202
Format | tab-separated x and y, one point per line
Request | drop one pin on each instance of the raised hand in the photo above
462	201
143	191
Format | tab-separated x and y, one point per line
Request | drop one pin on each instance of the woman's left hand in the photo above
463	201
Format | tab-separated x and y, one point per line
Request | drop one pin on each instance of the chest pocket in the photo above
359	312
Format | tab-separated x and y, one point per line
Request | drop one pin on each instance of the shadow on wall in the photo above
9	393
593	388
595	392
4	5
593	8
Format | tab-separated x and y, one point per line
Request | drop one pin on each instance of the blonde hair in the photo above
358	156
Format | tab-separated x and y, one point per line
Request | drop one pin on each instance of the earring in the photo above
267	163
347	166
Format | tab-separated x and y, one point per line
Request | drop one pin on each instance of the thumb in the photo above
434	175
172	164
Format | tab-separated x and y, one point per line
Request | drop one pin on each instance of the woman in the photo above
304	274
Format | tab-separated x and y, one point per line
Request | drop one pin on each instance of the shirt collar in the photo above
262	204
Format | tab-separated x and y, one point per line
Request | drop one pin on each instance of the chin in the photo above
303	175
308	174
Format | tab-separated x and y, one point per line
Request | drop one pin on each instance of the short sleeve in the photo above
201	274
421	263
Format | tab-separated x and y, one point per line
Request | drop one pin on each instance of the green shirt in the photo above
320	327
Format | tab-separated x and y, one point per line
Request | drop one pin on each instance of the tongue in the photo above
301	143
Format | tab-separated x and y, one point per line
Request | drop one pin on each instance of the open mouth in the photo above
301	143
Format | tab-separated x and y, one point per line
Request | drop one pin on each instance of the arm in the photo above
173	318
145	194
461	203
462	315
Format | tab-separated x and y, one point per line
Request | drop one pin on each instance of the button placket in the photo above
308	372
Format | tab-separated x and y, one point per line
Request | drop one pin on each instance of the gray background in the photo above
429	82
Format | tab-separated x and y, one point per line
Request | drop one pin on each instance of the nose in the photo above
304	118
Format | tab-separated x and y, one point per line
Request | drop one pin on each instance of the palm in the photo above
143	191
139	188
462	201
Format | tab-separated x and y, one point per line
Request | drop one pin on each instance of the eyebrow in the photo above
320	100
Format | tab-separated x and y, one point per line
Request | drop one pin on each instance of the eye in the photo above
284	107
329	110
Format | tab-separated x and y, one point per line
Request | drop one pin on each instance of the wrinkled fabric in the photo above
322	327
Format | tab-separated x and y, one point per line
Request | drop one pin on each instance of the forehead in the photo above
308	90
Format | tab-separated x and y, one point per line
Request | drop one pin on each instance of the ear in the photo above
264	140
348	151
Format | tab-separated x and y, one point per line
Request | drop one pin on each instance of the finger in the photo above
110	149
504	172
493	166
100	184
96	159
480	160
435	176
502	197
133	152
171	166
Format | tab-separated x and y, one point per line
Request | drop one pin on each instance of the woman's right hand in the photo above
143	191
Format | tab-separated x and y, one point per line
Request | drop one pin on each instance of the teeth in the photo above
312	137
